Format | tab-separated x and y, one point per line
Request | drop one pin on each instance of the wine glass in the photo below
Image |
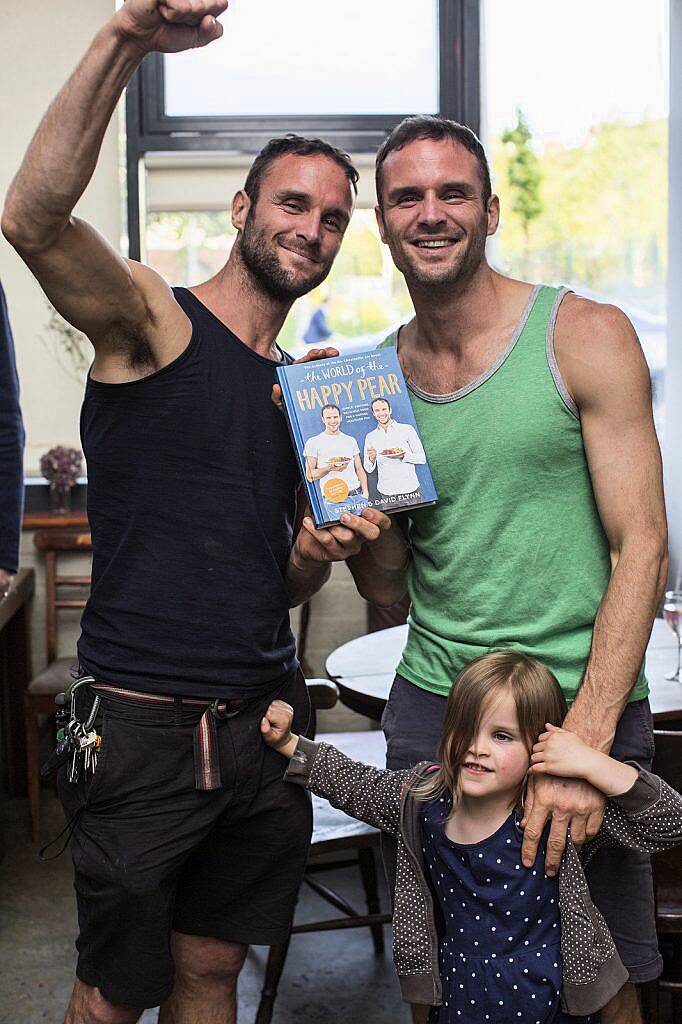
672	613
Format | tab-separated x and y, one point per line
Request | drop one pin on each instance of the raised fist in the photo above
170	26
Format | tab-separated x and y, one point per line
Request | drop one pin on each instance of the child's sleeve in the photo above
363	791
647	817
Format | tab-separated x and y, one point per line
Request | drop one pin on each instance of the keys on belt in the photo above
78	742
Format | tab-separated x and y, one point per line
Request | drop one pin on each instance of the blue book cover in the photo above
355	435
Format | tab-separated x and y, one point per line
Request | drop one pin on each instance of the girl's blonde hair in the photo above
537	696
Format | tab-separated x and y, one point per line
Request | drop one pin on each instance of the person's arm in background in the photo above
11	455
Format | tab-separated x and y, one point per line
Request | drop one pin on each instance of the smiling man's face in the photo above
332	420
382	411
293	231
432	215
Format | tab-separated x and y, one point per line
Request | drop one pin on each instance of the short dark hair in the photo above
324	407
431	126
384	400
299	146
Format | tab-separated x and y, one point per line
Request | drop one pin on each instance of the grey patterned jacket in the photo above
647	817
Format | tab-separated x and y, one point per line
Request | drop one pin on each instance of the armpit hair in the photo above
132	343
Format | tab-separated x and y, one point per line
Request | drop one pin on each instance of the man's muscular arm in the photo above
122	306
604	369
613	393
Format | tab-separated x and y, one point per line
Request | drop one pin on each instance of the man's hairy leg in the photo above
88	1006
420	1014
623	1008
205	989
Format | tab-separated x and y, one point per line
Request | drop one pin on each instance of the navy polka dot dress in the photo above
500	956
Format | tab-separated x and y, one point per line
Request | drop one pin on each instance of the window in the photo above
576	125
311	59
349	73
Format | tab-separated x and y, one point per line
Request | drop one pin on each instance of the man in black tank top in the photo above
187	844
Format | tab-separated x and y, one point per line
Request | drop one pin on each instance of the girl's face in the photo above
497	759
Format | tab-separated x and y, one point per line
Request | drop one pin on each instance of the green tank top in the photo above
513	553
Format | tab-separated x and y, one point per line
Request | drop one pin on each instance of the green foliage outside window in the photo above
603	221
523	173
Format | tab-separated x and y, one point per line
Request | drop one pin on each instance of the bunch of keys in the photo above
78	743
80	739
86	744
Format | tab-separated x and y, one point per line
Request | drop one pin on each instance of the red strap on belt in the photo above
206	758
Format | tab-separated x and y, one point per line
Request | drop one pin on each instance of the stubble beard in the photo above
457	273
263	264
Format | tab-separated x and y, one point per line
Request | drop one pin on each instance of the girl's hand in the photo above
275	727
560	752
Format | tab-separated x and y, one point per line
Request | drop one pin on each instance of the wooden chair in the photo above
667	870
41	691
335	832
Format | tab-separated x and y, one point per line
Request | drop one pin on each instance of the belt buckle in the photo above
222	713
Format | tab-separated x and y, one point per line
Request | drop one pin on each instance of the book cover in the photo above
355	435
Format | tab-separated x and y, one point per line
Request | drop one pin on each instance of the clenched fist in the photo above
170	26
276	728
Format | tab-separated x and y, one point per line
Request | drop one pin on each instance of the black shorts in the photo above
153	854
619	879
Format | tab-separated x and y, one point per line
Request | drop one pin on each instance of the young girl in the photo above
476	935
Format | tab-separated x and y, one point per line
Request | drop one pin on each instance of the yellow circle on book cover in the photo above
335	489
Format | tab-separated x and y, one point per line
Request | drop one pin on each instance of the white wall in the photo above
40	44
673	439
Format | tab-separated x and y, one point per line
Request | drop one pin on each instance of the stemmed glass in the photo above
672	613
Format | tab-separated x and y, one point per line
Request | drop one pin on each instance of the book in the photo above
355	435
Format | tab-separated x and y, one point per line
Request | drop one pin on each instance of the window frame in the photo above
150	130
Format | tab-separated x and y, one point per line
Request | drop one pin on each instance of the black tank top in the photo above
192	484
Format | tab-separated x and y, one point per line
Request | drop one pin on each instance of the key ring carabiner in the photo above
84	681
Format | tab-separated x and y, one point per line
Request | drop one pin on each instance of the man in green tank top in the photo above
549	534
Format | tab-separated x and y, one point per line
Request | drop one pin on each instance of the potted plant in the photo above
61	467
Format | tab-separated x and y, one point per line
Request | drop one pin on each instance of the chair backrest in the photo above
667	866
668	757
53	543
323	696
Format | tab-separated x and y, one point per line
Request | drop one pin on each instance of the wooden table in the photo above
15	675
363	669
